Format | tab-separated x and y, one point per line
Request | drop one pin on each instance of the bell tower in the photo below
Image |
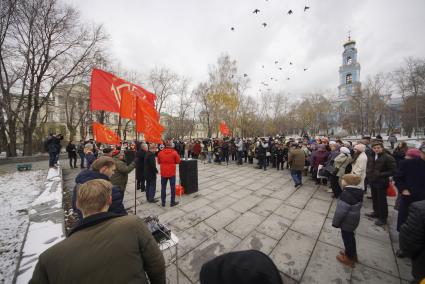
349	72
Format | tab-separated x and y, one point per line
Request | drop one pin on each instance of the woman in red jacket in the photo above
167	160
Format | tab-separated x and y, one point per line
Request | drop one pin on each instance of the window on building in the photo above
51	116
349	60
348	79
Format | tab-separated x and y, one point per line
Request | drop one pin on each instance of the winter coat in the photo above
149	168
379	171
120	177
399	155
341	162
106	248
71	150
239	146
296	159
411	176
347	213
359	167
90	158
53	144
140	162
197	148
412	238
117	196
168	159
392	139
319	157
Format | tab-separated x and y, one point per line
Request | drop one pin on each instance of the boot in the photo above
355	259
345	260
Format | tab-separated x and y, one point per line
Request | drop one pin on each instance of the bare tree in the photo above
46	46
164	83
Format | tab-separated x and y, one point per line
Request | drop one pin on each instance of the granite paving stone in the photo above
222	218
318	206
324	268
365	275
287	211
266	206
244	224
309	223
258	241
292	259
274	226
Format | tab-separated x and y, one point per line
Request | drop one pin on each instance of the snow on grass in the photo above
17	191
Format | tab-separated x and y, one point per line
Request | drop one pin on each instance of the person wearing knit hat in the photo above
359	163
413	154
347	217
340	162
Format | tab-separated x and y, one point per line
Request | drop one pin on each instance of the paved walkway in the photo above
239	207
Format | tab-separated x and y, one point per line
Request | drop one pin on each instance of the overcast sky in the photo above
188	35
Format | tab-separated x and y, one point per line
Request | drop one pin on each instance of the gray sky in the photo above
188	35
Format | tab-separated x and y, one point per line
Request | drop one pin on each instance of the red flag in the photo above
106	89
224	129
128	104
105	135
147	118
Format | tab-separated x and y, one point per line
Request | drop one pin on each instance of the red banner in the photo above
224	129
106	90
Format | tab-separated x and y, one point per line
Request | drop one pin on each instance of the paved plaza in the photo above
240	207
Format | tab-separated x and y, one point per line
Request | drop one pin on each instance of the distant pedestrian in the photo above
296	162
140	164
89	155
392	139
80	151
72	154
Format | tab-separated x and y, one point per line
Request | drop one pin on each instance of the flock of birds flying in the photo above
276	62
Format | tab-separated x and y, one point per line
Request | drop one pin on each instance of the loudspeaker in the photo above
188	170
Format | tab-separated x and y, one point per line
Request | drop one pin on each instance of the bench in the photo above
23	167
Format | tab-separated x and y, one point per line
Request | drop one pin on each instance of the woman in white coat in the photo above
360	162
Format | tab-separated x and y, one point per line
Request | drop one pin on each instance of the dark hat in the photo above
247	267
377	143
107	150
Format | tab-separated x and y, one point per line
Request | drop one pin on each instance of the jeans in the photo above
151	189
239	157
53	158
209	157
141	184
164	181
379	200
297	177
349	243
82	158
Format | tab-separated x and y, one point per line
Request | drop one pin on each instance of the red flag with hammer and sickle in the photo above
105	135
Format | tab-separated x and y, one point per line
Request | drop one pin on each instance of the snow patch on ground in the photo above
17	191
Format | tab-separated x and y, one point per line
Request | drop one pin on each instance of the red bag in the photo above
179	190
391	191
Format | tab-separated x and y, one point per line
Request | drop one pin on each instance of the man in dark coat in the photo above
380	167
102	168
53	146
105	248
72	154
412	239
149	173
140	176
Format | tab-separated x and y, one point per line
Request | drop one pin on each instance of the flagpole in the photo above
135	174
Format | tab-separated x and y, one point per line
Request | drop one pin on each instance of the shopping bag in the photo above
179	190
318	172
391	191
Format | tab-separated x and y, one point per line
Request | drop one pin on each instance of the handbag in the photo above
391	191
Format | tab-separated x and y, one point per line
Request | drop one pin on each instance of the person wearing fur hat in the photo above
380	167
341	162
347	216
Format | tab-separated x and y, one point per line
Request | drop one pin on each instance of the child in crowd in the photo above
347	216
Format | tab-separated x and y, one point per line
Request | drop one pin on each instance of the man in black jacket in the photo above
140	176
149	172
380	167
412	239
102	168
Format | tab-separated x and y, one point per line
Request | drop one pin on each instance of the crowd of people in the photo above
350	170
